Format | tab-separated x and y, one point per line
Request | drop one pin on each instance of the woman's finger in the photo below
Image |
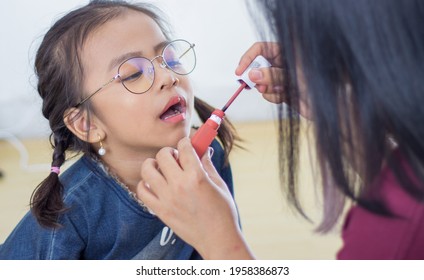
148	197
269	76
269	50
168	163
269	82
151	175
188	158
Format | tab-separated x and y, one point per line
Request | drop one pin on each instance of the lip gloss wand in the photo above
208	131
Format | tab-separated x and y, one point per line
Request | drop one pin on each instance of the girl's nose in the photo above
165	77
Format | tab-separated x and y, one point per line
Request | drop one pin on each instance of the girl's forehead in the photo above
126	26
131	31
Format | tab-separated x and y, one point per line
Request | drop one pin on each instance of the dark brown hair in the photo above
60	73
362	62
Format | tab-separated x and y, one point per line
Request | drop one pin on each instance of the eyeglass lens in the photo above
137	74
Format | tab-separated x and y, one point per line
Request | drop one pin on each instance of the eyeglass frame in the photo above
163	65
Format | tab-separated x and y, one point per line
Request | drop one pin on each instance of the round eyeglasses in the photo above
137	74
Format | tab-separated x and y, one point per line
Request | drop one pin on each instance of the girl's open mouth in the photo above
175	110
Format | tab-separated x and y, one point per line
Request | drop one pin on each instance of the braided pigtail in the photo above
46	200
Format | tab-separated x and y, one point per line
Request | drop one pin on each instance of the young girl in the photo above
114	87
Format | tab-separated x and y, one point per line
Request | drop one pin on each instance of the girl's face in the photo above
134	124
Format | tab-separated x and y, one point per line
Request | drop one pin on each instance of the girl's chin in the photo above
177	136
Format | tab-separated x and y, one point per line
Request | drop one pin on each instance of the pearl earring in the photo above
102	150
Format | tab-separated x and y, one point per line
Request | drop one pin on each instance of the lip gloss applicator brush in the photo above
208	131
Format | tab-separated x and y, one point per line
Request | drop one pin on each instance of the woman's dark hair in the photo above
363	66
60	74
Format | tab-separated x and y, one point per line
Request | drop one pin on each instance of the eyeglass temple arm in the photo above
99	89
184	53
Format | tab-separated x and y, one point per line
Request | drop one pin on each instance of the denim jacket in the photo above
103	221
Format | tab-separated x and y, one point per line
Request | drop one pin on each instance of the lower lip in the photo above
176	119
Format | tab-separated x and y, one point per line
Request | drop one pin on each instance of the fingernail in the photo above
210	151
175	154
256	75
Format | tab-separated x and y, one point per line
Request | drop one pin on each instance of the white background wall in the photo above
220	29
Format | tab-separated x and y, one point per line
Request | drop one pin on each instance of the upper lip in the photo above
172	101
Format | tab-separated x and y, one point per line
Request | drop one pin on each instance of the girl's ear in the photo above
76	121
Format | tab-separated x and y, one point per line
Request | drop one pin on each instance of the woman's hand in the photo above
191	198
269	81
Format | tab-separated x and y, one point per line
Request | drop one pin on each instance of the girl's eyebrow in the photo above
116	61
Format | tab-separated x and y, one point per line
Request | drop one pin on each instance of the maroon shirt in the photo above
371	236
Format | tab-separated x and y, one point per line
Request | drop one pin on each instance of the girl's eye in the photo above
134	76
174	63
